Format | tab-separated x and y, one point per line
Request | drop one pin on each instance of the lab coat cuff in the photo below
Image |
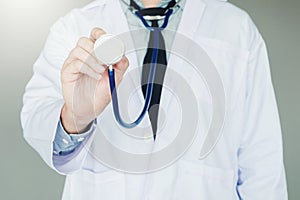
65	157
65	143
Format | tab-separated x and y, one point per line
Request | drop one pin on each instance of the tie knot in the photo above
154	23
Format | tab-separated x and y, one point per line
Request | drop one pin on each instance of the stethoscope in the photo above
109	49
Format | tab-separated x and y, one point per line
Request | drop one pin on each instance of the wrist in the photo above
73	124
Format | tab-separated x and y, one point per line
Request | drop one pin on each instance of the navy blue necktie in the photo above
161	67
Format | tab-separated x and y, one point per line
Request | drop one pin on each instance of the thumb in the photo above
96	33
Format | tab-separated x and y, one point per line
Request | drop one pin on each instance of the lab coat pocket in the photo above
198	181
96	186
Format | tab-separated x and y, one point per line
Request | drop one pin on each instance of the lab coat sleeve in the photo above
42	101
261	168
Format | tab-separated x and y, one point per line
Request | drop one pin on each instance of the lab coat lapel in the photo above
191	17
117	20
190	20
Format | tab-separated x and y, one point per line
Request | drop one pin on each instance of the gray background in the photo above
24	25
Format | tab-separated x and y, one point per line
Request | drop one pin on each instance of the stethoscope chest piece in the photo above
109	49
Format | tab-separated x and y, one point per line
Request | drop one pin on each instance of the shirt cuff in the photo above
65	143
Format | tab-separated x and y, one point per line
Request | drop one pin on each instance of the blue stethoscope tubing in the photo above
149	90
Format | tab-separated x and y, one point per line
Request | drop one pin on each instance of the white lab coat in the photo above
247	161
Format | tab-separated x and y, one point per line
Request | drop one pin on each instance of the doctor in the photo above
247	161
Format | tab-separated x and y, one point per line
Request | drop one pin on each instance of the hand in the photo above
85	84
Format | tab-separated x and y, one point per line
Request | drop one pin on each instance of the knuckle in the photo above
75	52
64	65
78	64
64	70
82	41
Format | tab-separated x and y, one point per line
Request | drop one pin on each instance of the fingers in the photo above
81	54
86	44
82	59
96	33
84	51
78	66
85	69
